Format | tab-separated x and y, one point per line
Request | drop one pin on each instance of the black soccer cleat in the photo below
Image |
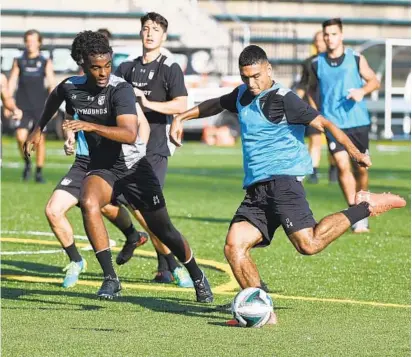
27	172
203	290
110	288
39	178
128	248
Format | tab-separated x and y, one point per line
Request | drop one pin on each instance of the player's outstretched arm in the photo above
321	123
205	109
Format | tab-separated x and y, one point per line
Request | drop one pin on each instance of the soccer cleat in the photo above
313	179
73	270
39	178
27	172
203	291
182	278
232	322
110	288
164	277
379	202
128	248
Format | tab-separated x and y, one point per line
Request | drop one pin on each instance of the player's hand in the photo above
17	114
176	132
69	145
140	95
356	94
31	142
363	160
78	125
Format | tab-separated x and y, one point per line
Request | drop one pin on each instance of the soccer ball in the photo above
252	307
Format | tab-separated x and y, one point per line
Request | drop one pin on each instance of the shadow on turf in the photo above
24	295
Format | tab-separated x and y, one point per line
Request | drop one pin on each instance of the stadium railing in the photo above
317	20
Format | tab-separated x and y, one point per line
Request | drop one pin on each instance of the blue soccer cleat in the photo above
73	270
182	277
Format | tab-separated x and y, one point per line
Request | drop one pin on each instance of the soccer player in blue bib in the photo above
344	78
275	159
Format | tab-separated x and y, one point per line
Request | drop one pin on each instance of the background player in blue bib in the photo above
344	78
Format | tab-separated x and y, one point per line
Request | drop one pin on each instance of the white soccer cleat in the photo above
380	202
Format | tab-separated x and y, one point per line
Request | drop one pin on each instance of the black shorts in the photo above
310	130
359	136
139	186
159	165
30	117
281	201
72	181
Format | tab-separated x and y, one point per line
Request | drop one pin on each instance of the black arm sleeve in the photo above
297	111
176	82
228	101
53	102
124	100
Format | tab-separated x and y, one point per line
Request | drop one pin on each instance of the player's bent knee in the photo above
89	205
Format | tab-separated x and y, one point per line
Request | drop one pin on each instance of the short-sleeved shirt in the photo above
31	93
161	80
102	106
304	81
274	106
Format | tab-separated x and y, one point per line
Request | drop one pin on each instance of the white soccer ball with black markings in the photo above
252	307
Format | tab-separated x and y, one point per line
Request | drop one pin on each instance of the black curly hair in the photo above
88	43
252	55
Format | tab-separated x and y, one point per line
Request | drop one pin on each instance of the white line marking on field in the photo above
392	148
49	234
32	252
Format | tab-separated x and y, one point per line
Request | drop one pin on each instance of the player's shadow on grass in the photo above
185	307
16	294
25	268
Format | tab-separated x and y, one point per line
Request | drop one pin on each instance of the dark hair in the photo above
106	33
155	17
88	43
33	32
251	55
336	21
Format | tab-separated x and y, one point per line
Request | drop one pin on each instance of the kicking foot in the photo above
379	202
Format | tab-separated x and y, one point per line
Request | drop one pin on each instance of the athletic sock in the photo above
171	261
161	262
38	170
105	259
193	269
132	236
73	253
315	170
357	212
27	161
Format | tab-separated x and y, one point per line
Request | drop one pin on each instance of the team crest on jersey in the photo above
151	74
101	99
66	182
38	64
